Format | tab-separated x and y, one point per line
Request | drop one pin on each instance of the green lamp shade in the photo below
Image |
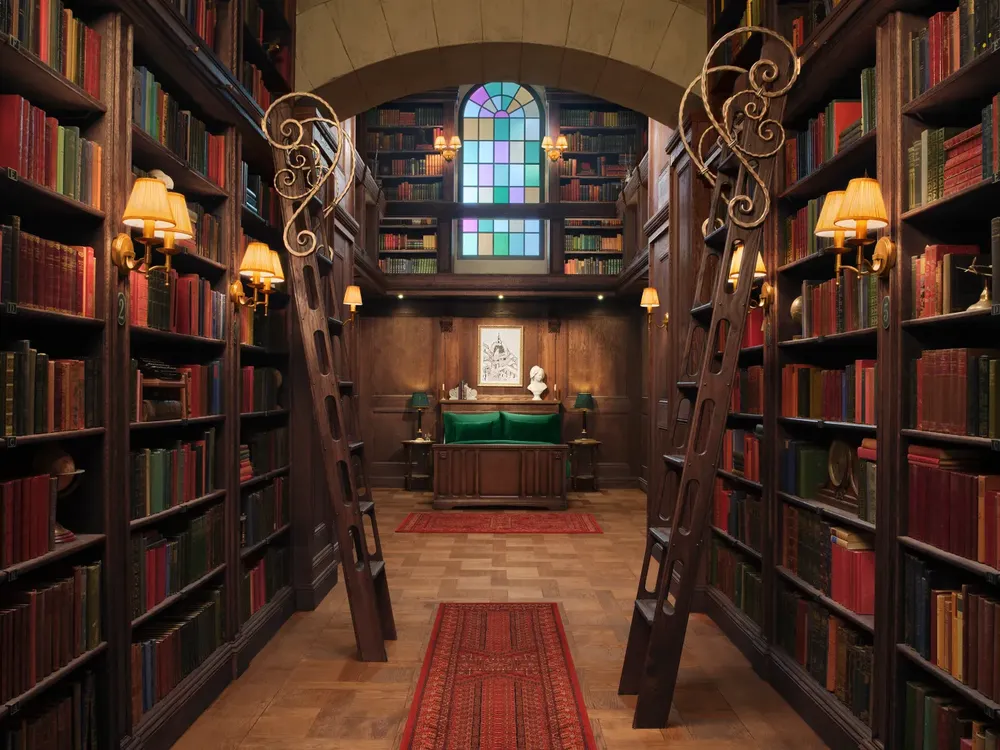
419	400
584	401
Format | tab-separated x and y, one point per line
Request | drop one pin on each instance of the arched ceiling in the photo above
637	53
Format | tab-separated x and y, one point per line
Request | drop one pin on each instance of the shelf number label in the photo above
12	174
121	308
995	309
10	308
885	313
991	713
993	579
10	442
995	445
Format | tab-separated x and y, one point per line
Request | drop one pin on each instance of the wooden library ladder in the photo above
307	146
741	200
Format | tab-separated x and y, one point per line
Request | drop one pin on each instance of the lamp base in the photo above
63	534
983	303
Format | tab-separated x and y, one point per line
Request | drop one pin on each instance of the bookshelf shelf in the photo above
163	424
253	52
864	622
259	228
191	505
408	252
149	154
43	86
863	337
745	416
817	265
988	706
13	314
21	196
951	323
261	352
14	705
49	437
158	337
737	479
263	478
985	571
970	441
590	177
249	550
734	542
188	262
976	200
171	600
618	129
61	552
975	82
835	173
384	128
270	413
822	424
413	177
830	513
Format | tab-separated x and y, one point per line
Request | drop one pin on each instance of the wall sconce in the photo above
447	149
762	297
163	218
859	209
352	297
651	299
261	269
554	150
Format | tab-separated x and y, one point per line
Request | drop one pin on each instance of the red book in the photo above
13	109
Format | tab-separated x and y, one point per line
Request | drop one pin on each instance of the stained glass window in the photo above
501	163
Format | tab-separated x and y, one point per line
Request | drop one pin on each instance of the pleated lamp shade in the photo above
650	298
862	204
182	229
455	142
352	296
256	263
278	274
440	143
826	225
148	202
734	267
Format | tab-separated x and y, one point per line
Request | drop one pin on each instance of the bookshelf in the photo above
148	389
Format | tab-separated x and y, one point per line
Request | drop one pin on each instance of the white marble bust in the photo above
537	386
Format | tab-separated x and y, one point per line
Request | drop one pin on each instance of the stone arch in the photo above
636	53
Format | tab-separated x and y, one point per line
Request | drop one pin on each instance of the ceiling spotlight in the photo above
399	296
499	296
600	297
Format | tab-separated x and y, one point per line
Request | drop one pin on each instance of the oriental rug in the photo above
498	676
479	522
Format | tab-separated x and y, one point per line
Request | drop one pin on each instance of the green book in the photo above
812	464
61	160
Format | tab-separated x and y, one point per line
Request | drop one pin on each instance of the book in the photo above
162	478
738	578
265	578
264	511
953	393
748	391
847	395
739	514
260	388
46	275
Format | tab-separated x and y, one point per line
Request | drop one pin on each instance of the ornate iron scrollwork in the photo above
307	168
749	107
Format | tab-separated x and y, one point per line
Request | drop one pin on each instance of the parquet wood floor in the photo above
305	691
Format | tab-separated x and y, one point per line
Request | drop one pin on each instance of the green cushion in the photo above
477	426
542	428
499	442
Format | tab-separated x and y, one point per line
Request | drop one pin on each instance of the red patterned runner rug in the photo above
479	522
498	676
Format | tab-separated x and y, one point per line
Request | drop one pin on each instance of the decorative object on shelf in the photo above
163	217
261	269
761	296
536	383
584	402
307	168
448	149
796	310
462	392
500	356
352	298
748	107
554	149
854	212
58	464
420	401
651	299
984	302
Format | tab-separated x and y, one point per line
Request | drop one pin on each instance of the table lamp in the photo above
584	402
420	401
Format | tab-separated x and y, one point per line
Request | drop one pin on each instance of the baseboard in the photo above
261	628
738	628
324	578
643	484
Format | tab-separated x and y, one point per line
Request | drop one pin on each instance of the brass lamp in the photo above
584	402
277	277
651	299
182	229
448	149
765	295
352	298
555	149
257	270
420	401
150	210
861	209
827	228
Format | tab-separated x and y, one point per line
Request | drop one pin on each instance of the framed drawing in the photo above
500	355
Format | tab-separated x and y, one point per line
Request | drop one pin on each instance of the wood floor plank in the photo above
306	691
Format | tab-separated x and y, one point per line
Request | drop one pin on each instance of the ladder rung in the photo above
661	534
356	446
647	608
716	239
336	325
676	460
377	567
729	164
346	386
703	310
366	505
687	385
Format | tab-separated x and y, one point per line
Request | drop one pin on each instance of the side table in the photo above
418	463
588	473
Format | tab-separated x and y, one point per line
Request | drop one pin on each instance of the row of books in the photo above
944	278
940	722
575	191
593	266
753	329
264	511
738	579
798	232
825	136
953	504
389	117
752	16
27	518
268	450
46	275
593	223
180	393
42	151
945	161
748	391
66	717
949	41
804	471
266	328
625	146
841	395
161	117
408	265
50	31
741	454
835	655
253	81
184	304
852	570
43	628
956	391
278	53
166	652
590	118
202	16
952	625
420	141
260	583
407	242
847	303
43	395
738	514
430	165
259	388
602	167
410	191
163	565
605	243
803	18
163	478
260	197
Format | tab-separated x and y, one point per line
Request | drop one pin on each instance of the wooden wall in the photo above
582	346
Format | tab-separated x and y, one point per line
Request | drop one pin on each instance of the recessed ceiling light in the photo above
600	297
399	296
499	296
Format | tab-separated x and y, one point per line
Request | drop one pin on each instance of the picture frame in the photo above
501	355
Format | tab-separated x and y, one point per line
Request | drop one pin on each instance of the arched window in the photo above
501	163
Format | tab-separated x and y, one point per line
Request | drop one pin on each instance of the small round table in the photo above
577	449
418	463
